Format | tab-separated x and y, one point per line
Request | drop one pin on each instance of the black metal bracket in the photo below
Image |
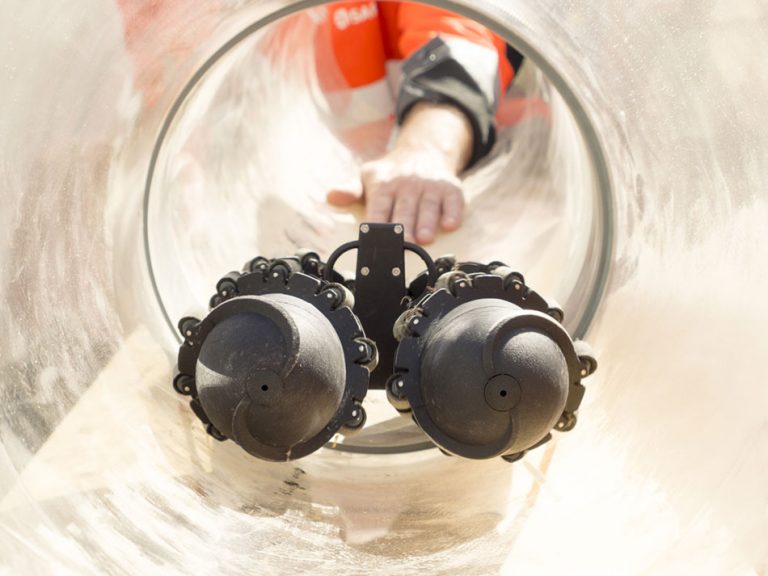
380	288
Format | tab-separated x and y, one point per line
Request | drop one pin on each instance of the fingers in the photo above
379	204
406	207
453	209
421	204
430	206
421	207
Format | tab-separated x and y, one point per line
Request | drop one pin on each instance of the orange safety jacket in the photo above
445	57
366	34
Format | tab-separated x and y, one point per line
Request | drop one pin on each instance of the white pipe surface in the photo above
642	199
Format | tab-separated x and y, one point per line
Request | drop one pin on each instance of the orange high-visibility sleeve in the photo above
407	26
356	41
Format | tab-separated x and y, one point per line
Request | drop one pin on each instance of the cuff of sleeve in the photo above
441	73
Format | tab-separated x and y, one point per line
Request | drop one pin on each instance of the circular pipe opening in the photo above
218	193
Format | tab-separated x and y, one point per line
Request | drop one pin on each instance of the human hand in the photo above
414	187
417	183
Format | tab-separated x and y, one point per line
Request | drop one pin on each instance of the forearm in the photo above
459	73
439	129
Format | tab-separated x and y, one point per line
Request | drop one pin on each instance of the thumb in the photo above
344	197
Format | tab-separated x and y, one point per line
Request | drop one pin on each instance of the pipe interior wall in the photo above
639	202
